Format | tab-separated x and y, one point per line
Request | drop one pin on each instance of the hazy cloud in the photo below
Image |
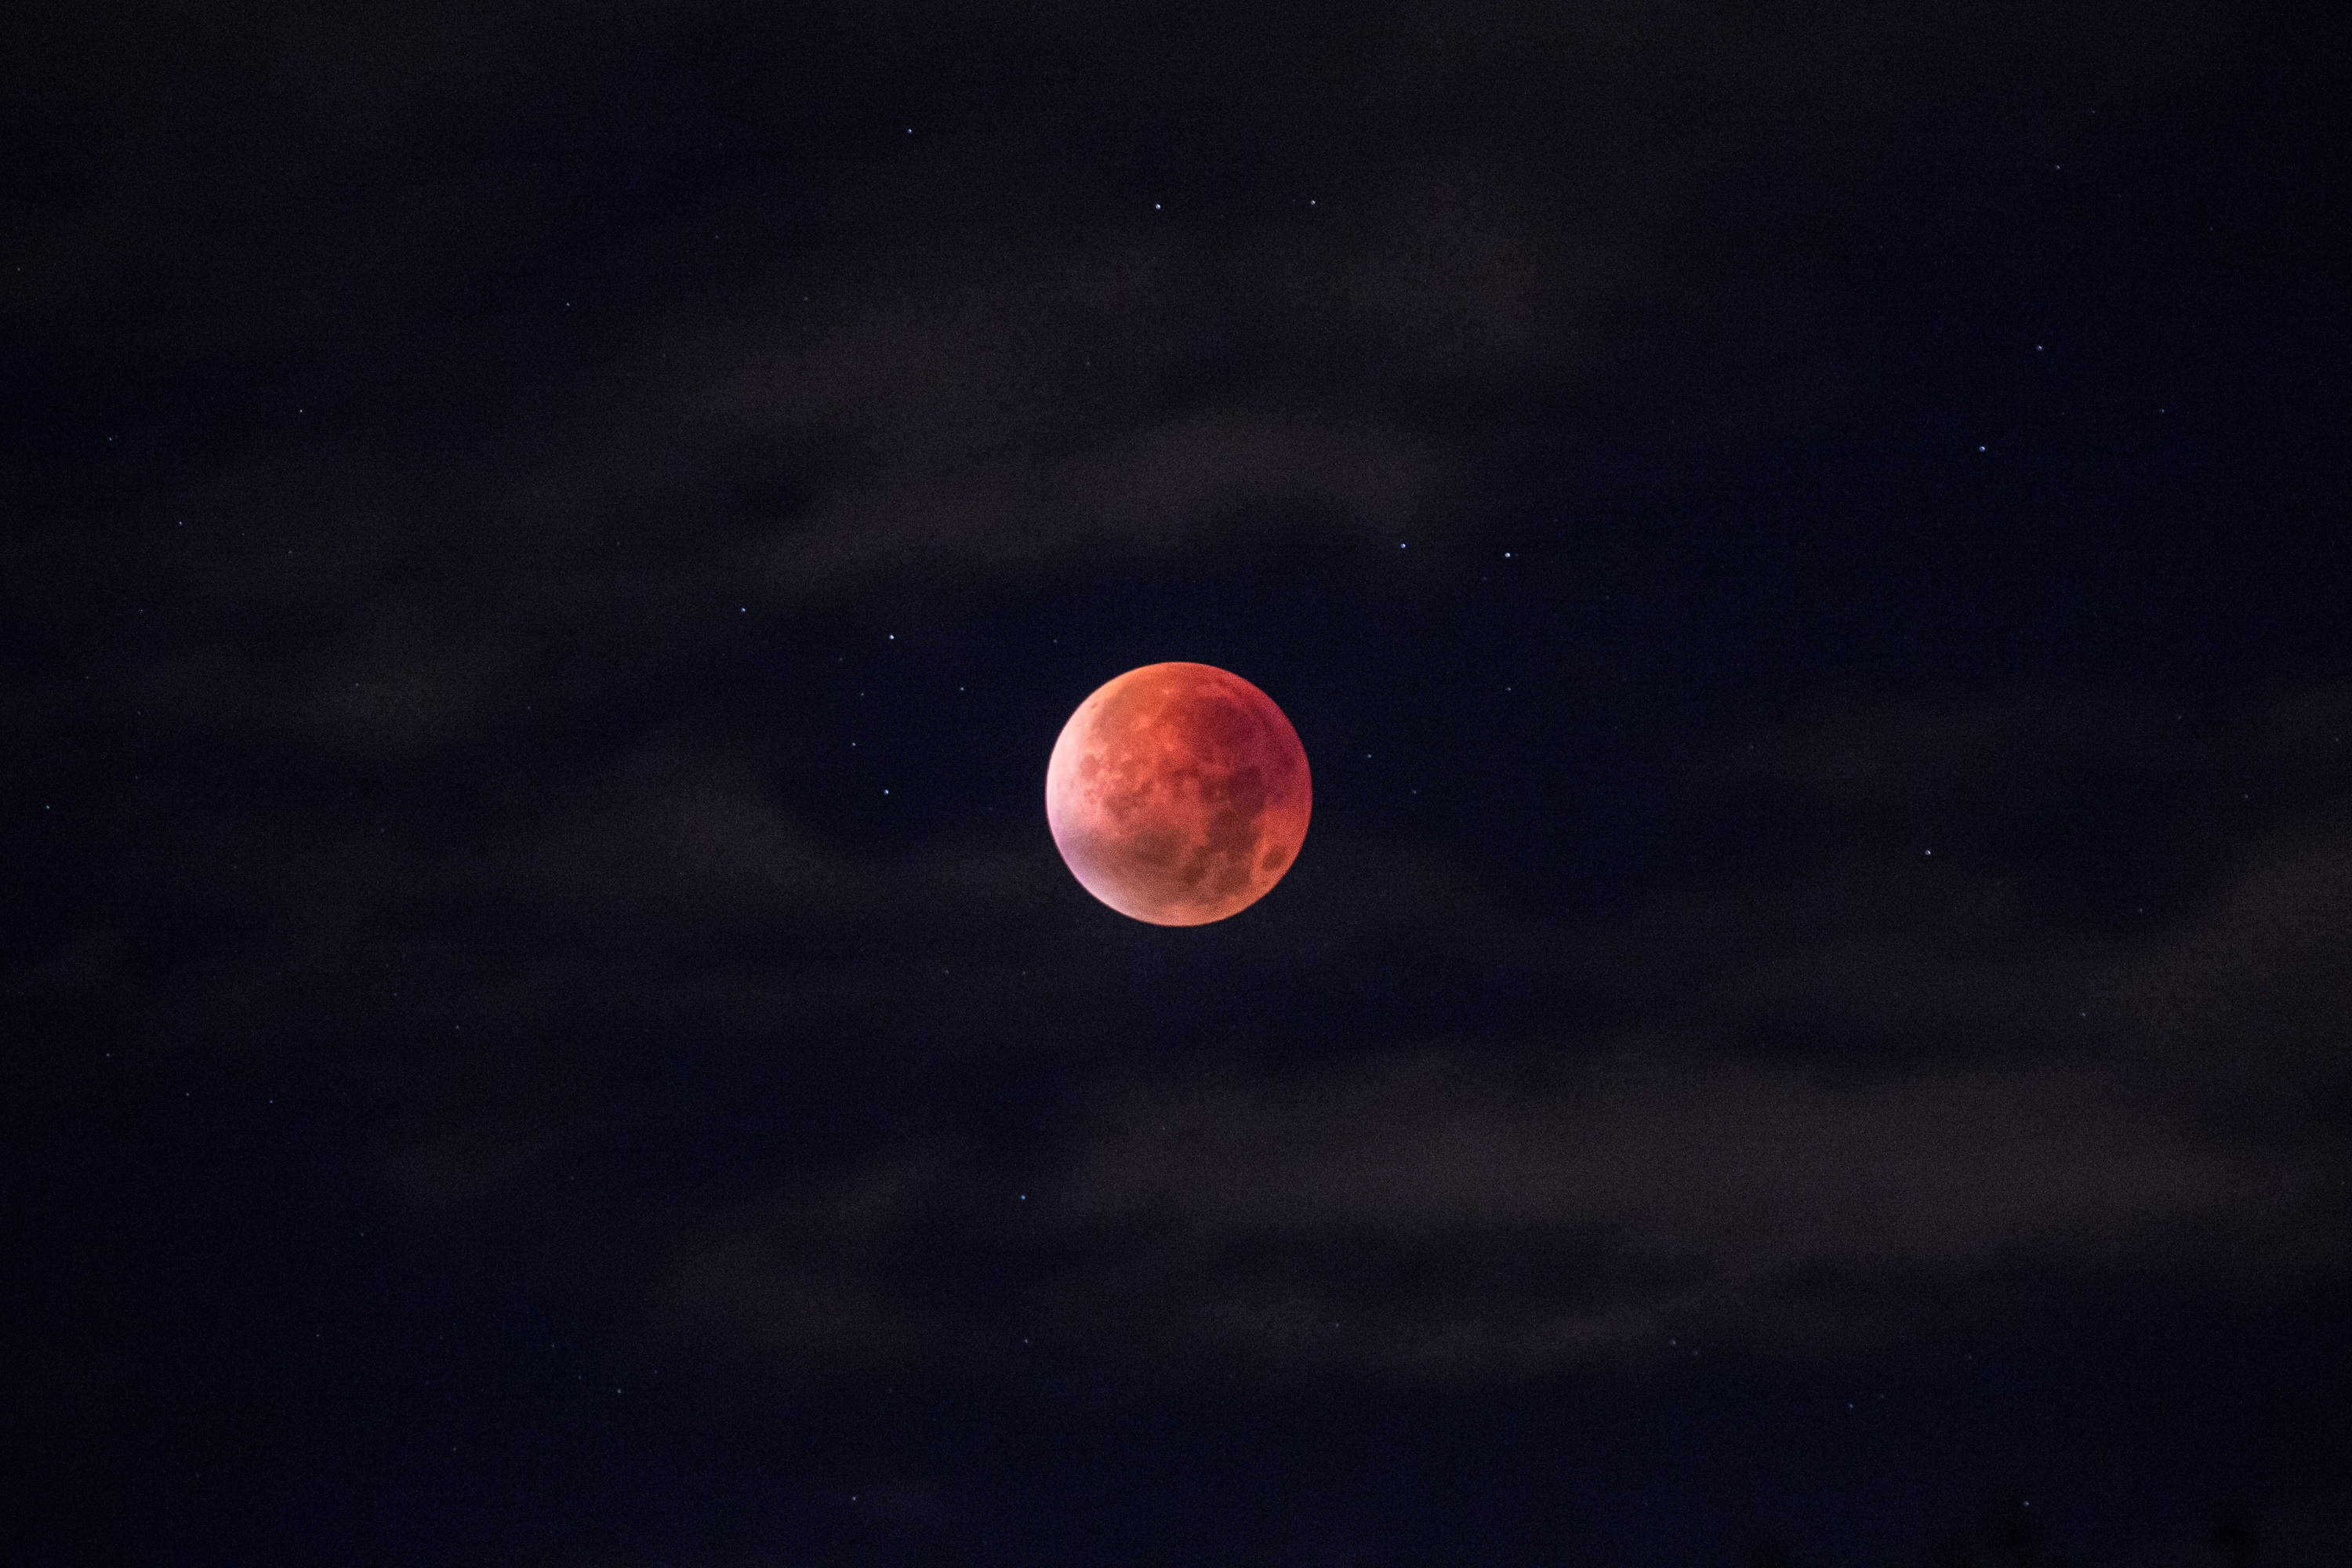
1857	1103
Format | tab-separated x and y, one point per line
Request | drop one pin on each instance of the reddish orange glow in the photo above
1178	793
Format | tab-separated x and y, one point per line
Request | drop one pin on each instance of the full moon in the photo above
1178	793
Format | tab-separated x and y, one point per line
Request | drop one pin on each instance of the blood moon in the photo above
1178	793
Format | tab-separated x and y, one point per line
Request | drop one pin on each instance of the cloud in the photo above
470	1165
925	417
1440	1212
411	497
806	1275
673	834
1446	1211
1864	1101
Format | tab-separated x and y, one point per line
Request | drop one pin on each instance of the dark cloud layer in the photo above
1833	1108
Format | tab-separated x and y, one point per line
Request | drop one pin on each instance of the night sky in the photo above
546	550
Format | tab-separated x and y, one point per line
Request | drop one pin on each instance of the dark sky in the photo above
546	550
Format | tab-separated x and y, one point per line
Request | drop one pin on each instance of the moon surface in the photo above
1178	793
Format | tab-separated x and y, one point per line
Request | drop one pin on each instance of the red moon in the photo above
1178	793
